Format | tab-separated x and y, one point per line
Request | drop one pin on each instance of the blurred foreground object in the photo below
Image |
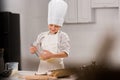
61	73
97	72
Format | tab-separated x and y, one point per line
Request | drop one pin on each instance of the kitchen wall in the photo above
86	39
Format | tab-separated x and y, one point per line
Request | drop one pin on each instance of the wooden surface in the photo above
30	75
39	77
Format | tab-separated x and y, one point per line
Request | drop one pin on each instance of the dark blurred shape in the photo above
97	72
105	50
6	73
10	36
3	73
1	60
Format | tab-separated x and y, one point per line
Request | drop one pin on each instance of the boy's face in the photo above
53	28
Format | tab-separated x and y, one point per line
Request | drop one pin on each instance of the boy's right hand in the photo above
33	49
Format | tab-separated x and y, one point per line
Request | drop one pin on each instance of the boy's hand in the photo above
33	49
45	54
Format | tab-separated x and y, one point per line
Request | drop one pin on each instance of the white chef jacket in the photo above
54	43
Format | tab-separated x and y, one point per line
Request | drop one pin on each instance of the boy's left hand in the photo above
45	54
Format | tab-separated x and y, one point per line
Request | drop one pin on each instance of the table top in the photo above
20	75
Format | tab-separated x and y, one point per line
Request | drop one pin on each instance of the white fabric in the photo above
50	43
56	12
63	45
63	41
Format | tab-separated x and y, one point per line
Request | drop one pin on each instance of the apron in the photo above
50	43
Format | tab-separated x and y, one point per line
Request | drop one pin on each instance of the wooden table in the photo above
20	75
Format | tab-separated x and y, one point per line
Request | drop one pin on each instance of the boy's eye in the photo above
51	24
56	26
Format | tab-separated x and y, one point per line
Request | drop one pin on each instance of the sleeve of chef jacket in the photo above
37	42
64	43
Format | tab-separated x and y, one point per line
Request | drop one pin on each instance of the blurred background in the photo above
92	25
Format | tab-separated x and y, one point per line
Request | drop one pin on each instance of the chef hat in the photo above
56	12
